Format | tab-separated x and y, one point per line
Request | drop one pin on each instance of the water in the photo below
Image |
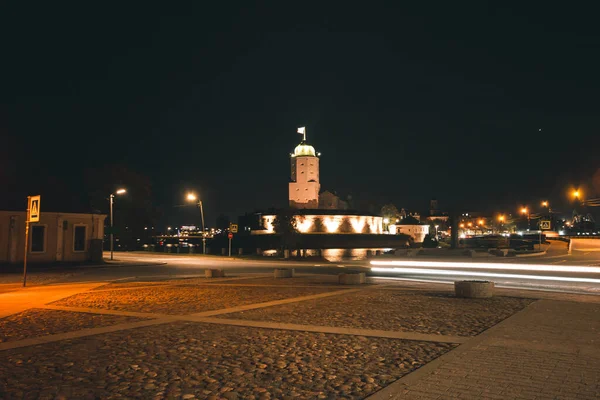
338	255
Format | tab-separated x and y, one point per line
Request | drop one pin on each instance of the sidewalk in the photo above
550	350
32	297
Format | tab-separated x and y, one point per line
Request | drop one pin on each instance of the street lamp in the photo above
525	211
193	197
112	197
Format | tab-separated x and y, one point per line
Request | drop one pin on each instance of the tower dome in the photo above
304	149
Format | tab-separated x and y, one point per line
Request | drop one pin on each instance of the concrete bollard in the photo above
354	278
474	289
214	273
241	252
283	273
286	253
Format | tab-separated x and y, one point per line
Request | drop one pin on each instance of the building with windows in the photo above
57	237
304	186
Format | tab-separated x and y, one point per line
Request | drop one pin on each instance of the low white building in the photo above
416	231
57	237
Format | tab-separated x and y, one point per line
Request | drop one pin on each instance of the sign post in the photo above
33	215
230	236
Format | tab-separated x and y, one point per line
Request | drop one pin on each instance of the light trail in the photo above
479	265
420	271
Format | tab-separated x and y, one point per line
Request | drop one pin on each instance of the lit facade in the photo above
328	223
416	231
304	186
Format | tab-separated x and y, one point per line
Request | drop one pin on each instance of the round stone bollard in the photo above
214	273
283	273
474	289
354	278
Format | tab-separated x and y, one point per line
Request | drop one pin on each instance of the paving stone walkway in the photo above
549	350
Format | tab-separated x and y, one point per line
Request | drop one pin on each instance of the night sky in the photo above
404	104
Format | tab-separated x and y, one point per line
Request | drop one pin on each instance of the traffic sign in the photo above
233	228
545	225
230	235
34	208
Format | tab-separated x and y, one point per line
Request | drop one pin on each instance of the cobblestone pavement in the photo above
38	322
549	350
207	361
129	285
395	310
297	280
183	299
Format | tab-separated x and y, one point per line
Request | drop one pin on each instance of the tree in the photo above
429	242
284	225
318	226
345	226
366	228
390	211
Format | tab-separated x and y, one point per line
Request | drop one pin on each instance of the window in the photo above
79	238
38	236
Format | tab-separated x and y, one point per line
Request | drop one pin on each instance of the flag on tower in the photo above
302	131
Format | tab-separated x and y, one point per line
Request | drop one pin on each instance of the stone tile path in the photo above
548	350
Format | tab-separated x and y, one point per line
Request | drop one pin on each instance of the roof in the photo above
304	149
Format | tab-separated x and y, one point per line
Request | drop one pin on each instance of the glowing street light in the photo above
111	198
192	197
525	211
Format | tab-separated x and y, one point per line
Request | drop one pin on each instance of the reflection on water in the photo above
337	255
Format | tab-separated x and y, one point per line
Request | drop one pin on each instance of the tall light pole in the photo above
525	211
193	197
112	197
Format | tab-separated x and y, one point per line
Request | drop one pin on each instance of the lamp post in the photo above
193	197
524	211
112	197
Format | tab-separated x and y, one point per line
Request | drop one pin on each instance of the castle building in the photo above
304	186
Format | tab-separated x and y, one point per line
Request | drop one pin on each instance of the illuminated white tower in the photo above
304	187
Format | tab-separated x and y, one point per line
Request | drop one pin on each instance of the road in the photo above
557	270
554	271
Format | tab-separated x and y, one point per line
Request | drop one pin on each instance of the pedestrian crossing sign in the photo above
545	225
34	208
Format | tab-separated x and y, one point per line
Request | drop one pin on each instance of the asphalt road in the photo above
558	271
